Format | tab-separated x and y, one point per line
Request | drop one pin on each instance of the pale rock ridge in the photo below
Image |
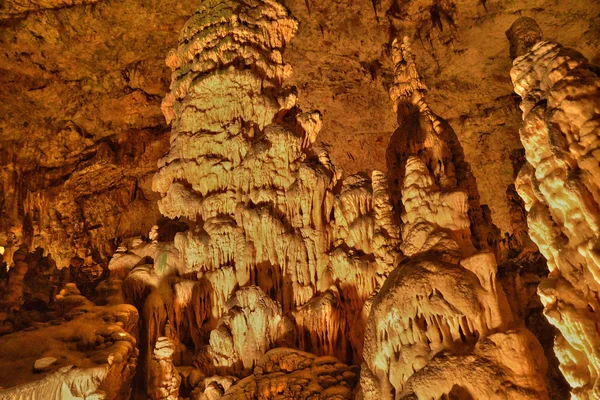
441	325
560	95
279	251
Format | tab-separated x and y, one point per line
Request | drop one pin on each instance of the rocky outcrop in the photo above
441	324
293	374
442	155
559	185
87	351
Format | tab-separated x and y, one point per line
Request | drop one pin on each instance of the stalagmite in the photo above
560	94
164	380
441	325
276	254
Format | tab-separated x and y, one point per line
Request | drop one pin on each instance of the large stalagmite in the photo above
279	251
441	325
560	94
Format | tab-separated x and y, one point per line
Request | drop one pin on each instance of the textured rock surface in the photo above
270	263
82	83
252	324
293	374
439	326
560	94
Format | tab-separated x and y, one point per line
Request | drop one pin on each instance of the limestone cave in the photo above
293	199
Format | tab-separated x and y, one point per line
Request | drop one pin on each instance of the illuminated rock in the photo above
559	185
440	325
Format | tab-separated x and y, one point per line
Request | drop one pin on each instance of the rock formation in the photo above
163	379
86	352
559	185
276	254
271	273
441	324
293	374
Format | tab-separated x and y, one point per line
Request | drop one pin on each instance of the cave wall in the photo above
81	144
82	84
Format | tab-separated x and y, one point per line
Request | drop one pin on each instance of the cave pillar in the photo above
560	185
441	326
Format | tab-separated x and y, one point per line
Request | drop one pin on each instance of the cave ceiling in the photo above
78	73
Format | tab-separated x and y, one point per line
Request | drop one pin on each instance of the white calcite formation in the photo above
279	251
441	325
560	95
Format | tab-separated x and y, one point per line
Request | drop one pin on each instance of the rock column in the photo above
441	325
560	185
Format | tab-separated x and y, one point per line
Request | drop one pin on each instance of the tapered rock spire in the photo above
560	185
438	325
